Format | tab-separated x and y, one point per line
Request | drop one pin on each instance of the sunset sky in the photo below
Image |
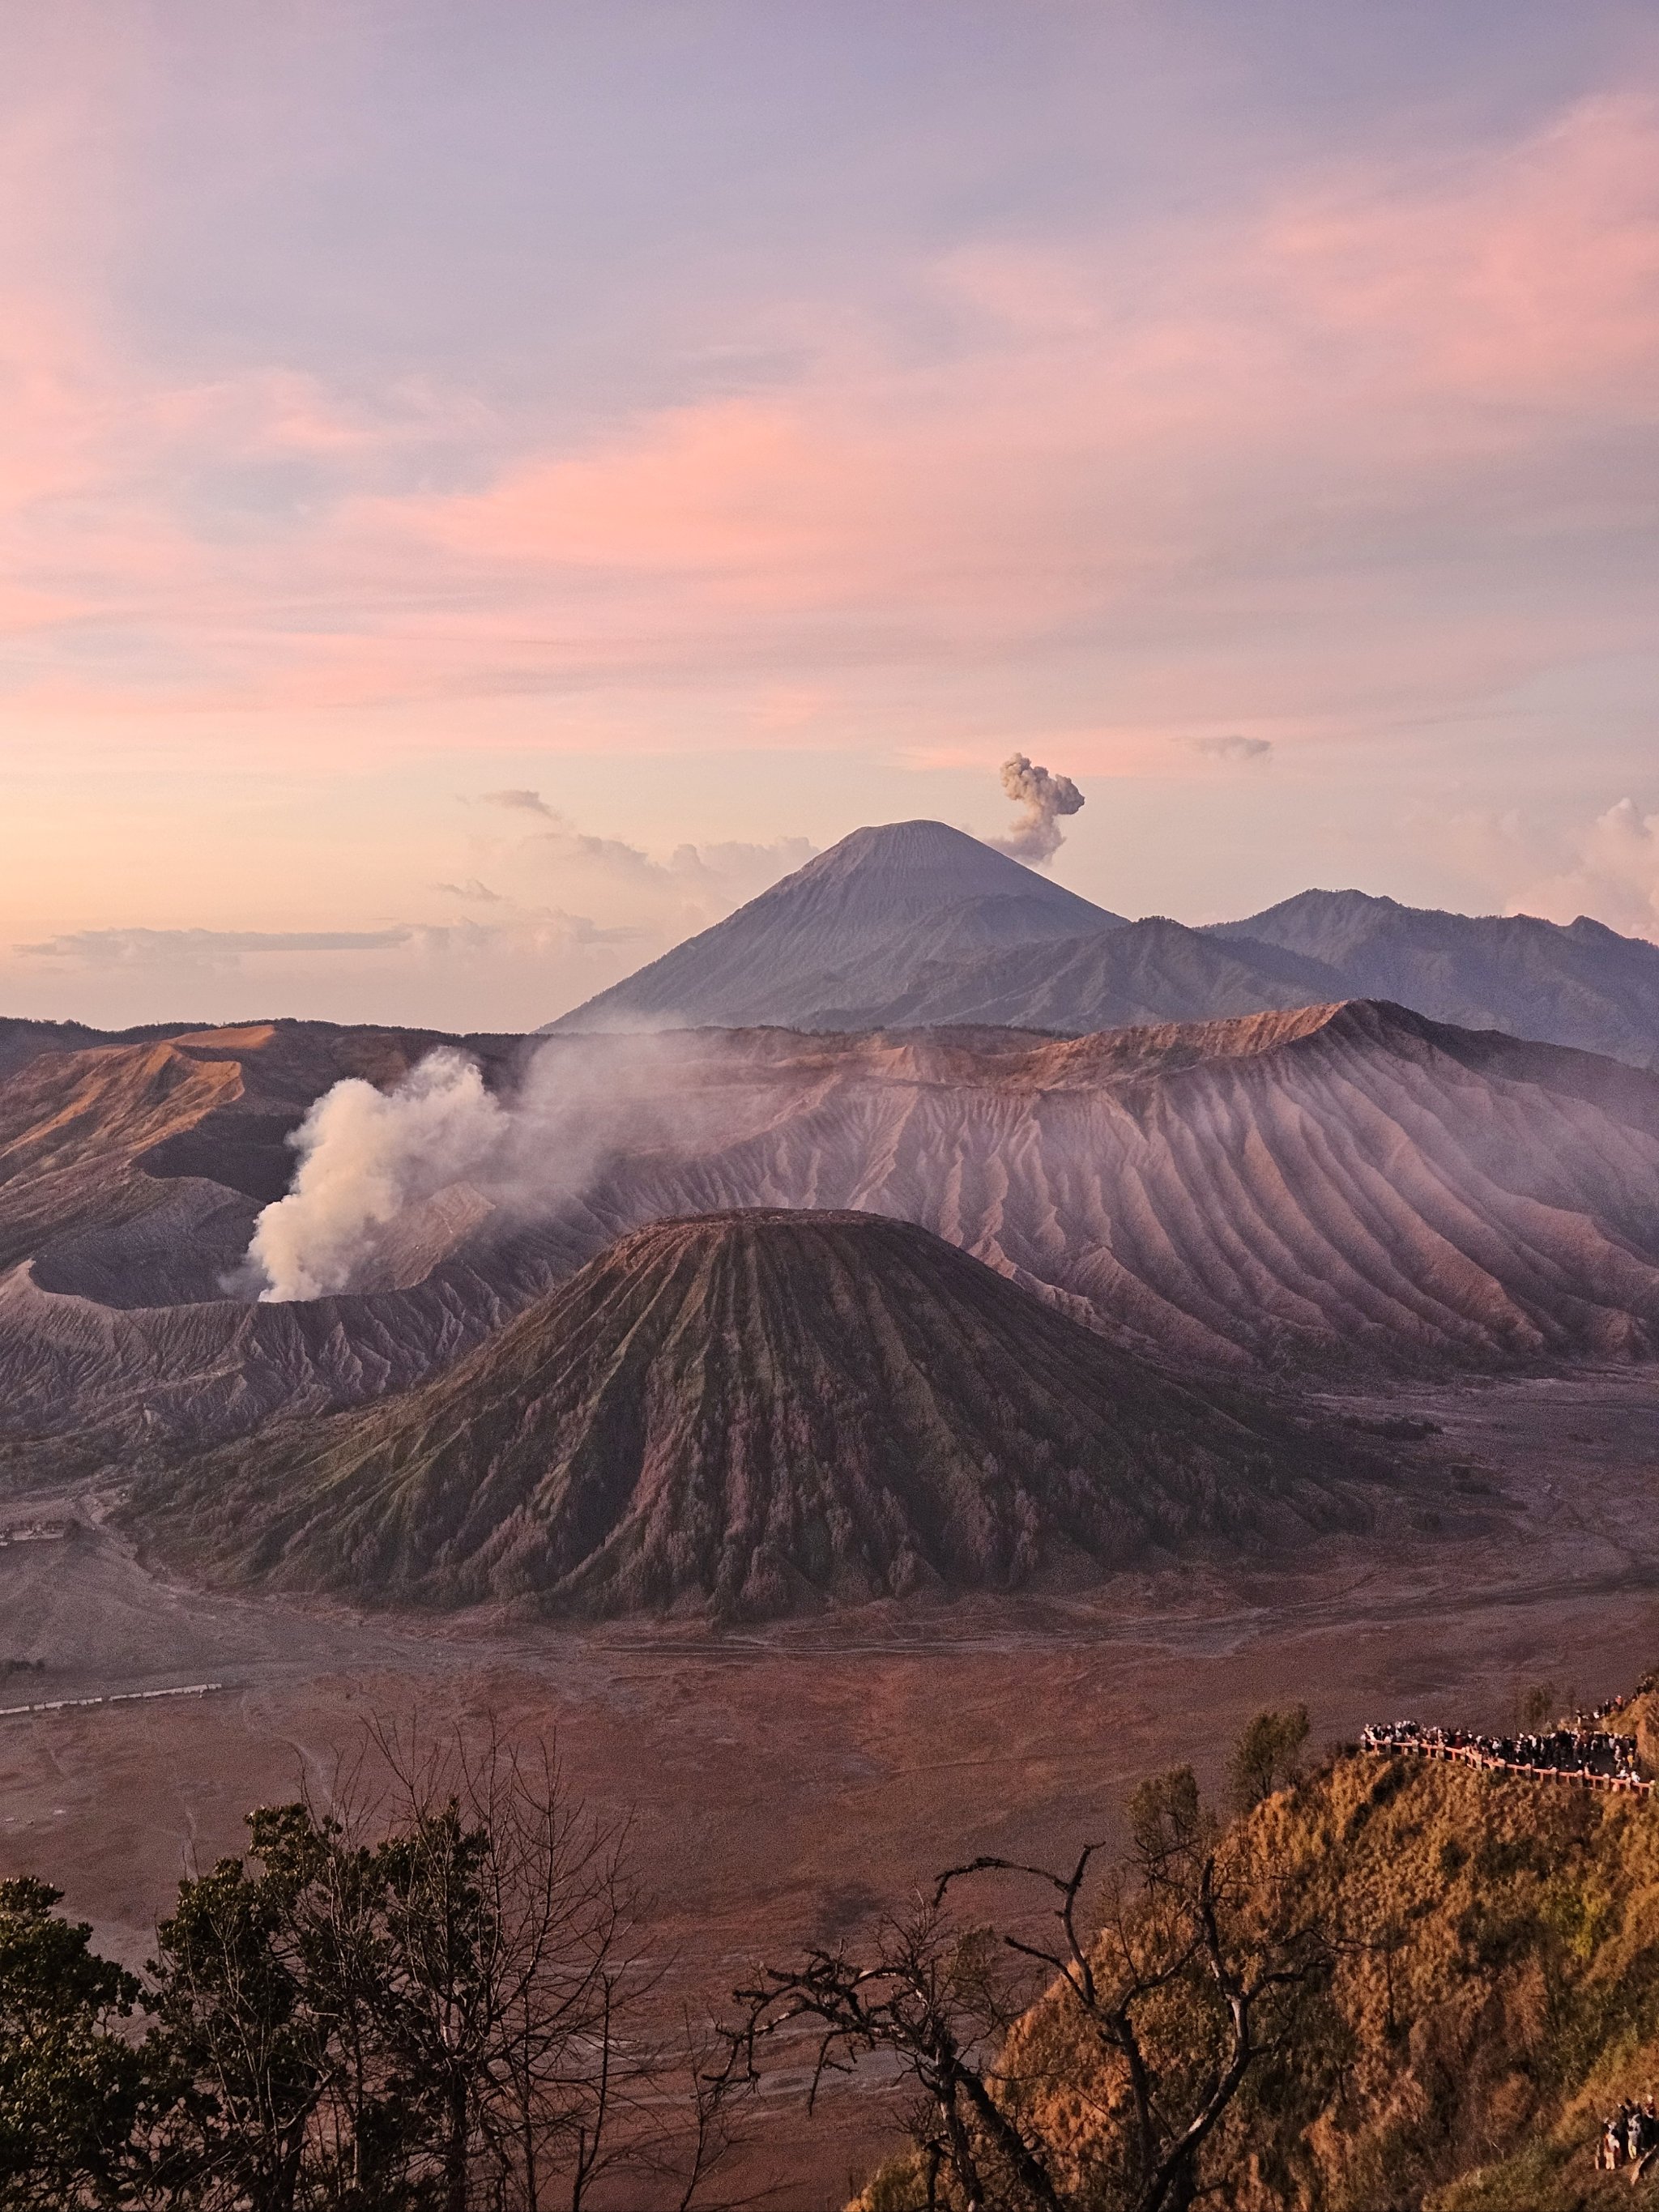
485	488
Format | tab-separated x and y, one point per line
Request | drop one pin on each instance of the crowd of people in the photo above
1629	2135
1586	1754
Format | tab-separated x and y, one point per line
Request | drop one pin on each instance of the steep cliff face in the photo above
754	1412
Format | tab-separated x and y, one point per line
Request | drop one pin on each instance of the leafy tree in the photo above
1267	1755
74	2089
1533	1707
241	2017
427	2000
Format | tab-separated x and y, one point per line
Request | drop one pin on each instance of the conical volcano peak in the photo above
950	858
755	1412
857	924
923	870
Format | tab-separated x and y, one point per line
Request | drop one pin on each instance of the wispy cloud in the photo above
1613	874
122	947
850	445
1361	384
518	802
473	891
1254	751
577	913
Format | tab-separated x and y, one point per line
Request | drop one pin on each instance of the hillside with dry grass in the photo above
1489	1992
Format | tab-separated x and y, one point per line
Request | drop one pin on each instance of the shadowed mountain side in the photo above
753	1413
1147	972
859	921
1582	984
130	1376
22	1040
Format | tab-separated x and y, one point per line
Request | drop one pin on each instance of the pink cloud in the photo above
1264	472
1531	279
1614	873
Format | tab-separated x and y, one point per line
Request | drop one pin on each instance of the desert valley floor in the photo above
760	1765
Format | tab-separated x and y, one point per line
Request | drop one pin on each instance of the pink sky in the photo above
734	432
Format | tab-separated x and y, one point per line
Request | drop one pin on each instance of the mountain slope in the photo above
1146	972
1489	2002
1344	1190
1582	984
131	1177
751	1412
1333	1187
140	1144
22	1041
914	923
855	924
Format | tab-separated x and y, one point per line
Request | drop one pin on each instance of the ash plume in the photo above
1036	836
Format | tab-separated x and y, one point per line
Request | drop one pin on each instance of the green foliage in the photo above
1165	1817
438	2015
72	2086
1267	1755
1533	1707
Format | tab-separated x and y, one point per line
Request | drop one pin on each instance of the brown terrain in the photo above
787	1780
1323	1337
1339	1190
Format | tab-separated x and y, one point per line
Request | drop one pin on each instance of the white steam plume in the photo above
365	1157
1036	836
386	1176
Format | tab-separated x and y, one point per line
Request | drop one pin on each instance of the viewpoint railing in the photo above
1589	1757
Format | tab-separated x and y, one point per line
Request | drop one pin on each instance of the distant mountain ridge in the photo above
912	925
1141	974
1577	983
1333	1188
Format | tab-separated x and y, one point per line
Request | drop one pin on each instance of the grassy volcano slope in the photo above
1495	1994
751	1412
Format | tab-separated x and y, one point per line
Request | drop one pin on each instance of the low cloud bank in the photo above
1613	874
534	918
1256	751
